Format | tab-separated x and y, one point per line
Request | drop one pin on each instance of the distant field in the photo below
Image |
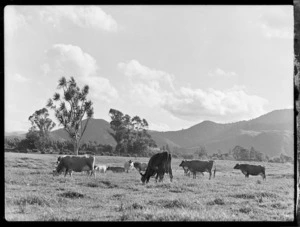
33	194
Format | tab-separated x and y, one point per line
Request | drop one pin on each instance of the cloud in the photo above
147	86
19	78
231	105
187	103
162	127
140	73
68	60
82	16
277	22
220	72
13	21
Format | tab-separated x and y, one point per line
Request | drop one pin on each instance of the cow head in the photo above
131	164
237	166
55	173
143	178
182	163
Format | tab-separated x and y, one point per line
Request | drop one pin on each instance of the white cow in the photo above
100	168
128	165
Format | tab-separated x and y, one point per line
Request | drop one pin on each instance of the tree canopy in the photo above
71	107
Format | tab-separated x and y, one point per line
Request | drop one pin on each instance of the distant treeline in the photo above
238	153
29	145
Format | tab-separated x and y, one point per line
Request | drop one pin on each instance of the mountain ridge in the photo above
271	133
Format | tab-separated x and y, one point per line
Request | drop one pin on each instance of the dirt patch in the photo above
216	202
32	200
72	195
108	184
169	204
244	196
245	210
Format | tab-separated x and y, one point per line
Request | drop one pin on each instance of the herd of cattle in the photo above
158	165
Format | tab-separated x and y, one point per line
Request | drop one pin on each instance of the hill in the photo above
271	133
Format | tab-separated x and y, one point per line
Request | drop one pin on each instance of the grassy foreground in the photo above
33	194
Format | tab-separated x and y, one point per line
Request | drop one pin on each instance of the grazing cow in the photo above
100	168
59	158
251	170
140	166
115	169
158	164
128	165
76	163
199	166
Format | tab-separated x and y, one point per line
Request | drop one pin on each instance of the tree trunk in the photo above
76	147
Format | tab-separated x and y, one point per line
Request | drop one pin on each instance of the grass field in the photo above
33	194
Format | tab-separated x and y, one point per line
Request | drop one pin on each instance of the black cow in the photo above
158	164
115	169
251	170
199	166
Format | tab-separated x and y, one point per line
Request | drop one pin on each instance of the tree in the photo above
240	153
167	148
201	152
130	133
73	106
41	122
41	125
252	154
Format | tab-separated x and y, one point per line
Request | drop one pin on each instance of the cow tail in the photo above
215	169
264	170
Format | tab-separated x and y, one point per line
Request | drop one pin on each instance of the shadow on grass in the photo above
32	200
71	195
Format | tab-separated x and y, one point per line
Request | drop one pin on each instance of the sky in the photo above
174	66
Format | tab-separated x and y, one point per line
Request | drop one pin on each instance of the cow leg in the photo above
93	172
263	176
170	174
161	177
156	178
194	175
209	175
247	175
66	172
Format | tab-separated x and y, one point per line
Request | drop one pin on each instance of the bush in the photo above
187	156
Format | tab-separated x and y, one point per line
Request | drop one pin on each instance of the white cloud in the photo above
19	78
69	60
82	16
140	73
231	105
277	22
13	20
222	73
187	103
162	127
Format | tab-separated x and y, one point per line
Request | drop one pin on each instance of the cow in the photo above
251	170
140	166
115	169
195	166
100	168
158	164
59	158
128	165
76	163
